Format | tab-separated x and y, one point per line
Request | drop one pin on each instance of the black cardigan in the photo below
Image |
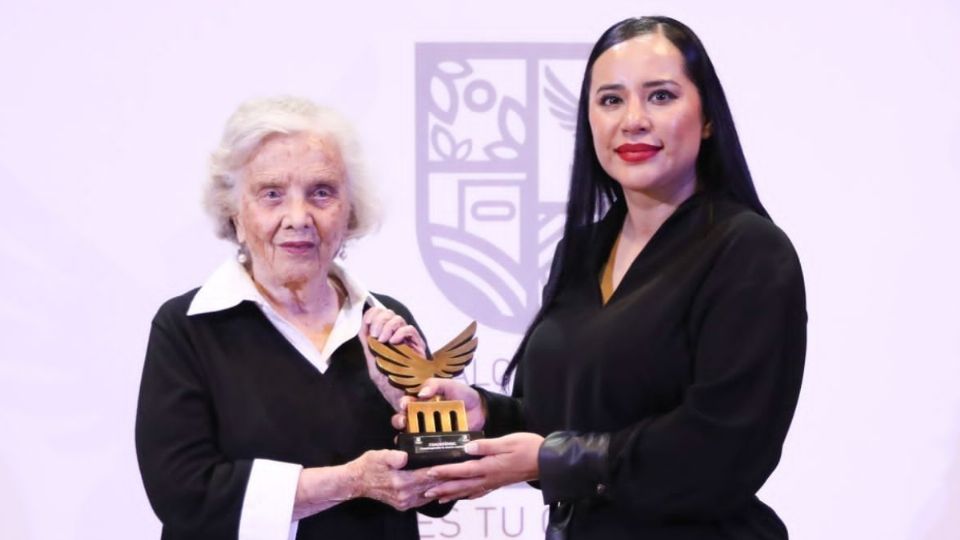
668	406
221	389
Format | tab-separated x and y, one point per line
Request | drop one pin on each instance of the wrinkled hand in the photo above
447	389
387	327
506	460
378	476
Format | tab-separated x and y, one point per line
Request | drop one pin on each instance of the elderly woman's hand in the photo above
379	477
388	327
375	475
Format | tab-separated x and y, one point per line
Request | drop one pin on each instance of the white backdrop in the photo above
848	113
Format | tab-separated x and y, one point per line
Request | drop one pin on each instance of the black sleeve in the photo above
193	488
503	413
713	452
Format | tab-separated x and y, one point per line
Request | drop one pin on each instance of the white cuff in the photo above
267	511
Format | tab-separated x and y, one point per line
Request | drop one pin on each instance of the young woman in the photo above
656	385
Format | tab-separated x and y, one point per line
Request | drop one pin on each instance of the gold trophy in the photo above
436	430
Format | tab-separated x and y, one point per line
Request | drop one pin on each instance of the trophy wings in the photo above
408	370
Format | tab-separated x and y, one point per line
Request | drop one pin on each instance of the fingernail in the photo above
422	393
470	448
429	494
444	501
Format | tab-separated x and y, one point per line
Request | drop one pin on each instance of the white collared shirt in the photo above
272	487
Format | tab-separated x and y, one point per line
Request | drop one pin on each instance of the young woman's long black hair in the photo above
721	166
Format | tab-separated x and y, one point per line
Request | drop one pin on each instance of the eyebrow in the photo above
330	180
648	84
267	182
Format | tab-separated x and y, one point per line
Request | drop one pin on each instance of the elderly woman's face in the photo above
293	209
645	116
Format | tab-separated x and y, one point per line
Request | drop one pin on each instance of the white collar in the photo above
230	284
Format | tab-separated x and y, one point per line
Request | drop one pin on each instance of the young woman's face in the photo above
646	117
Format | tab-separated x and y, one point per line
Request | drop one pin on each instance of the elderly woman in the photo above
260	411
656	385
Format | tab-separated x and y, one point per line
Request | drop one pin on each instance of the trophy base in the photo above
429	449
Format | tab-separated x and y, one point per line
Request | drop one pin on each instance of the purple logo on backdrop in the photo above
494	140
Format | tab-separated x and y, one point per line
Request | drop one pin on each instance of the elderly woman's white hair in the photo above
257	119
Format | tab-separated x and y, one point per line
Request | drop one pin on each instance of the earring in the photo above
342	253
242	256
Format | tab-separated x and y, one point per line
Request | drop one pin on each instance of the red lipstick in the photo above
638	152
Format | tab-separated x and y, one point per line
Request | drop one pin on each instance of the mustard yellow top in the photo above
606	277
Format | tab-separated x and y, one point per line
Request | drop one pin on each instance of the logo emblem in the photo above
494	140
